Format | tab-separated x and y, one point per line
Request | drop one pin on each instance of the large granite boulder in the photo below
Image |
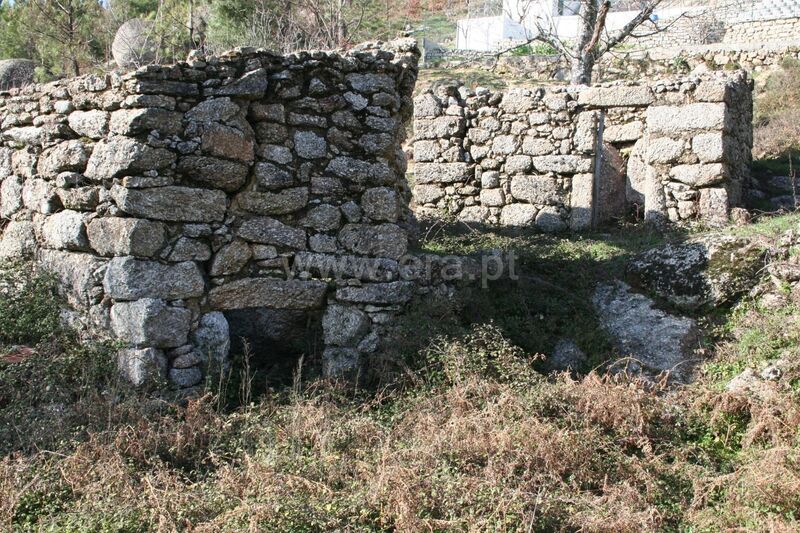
703	272
15	73
653	340
134	44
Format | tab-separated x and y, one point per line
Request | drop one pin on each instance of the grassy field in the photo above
461	434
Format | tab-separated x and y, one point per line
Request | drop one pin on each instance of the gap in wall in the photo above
276	340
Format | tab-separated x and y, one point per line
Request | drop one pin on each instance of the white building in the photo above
519	19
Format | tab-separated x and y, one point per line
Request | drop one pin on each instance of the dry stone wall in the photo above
559	158
166	197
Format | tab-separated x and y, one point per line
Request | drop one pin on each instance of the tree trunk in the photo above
581	69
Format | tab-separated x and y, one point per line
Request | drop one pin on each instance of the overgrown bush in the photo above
29	312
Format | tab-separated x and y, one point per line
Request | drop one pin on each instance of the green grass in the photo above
551	300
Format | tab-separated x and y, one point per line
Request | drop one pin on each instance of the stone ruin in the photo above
170	199
570	158
184	206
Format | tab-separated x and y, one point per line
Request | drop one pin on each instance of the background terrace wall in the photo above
570	158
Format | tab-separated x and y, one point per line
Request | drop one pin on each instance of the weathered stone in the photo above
383	240
324	217
279	203
566	356
185	377
230	259
704	272
18	240
213	110
563	164
212	339
339	266
92	124
709	147
176	204
266	230
549	220
675	120
80	199
361	171
341	363
518	164
396	292
65	230
492	197
119	156
476	214
517	101
252	85
134	43
628	132
535	189
224	141
143	120
714	205
537	146
616	96
38	195
371	83
271	293
586	130
78	274
522	215
376	143
10	196
581	202
427	194
24	136
344	325
70	155
656	341
270	176
276	153
128	278
145	367
442	172
150	322
427	105
381	203
187	249
439	128
16	73
504	144
664	150
701	175
309	145
214	172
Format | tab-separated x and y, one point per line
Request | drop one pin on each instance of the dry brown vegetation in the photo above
474	440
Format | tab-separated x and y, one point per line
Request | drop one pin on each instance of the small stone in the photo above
230	259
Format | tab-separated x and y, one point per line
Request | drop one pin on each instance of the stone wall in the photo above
654	63
520	158
763	31
167	197
562	158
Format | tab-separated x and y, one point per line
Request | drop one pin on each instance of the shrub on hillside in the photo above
777	113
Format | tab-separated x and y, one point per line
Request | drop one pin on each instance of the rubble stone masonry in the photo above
569	158
165	197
